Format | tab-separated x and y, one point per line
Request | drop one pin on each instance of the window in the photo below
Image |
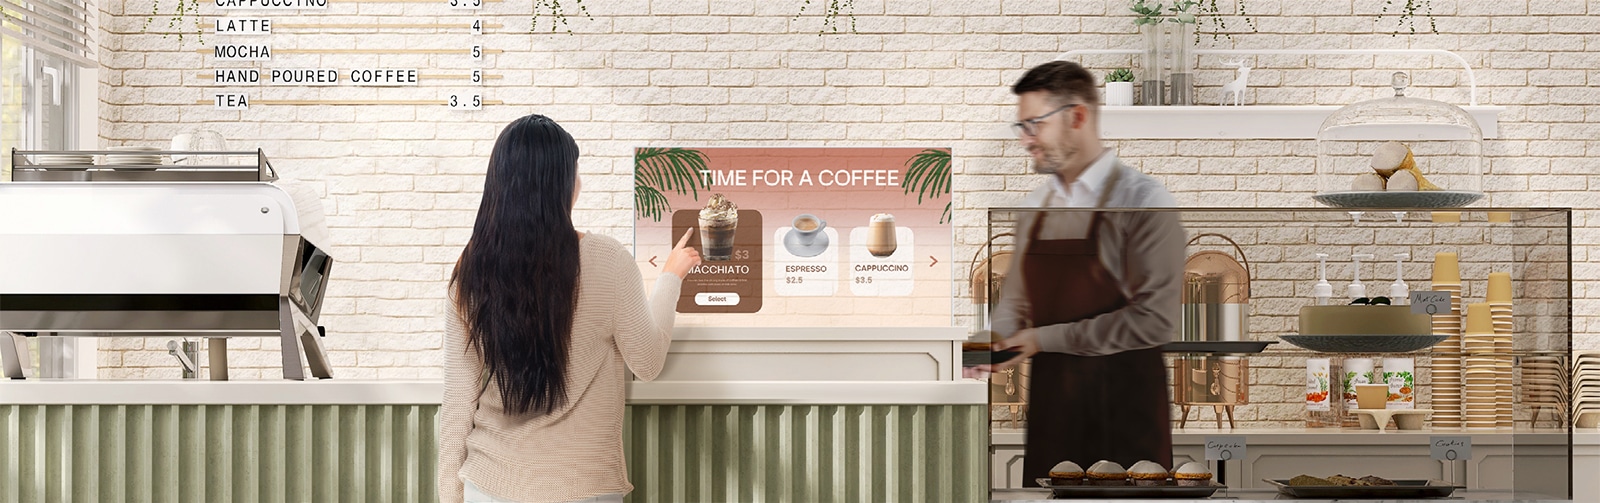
43	45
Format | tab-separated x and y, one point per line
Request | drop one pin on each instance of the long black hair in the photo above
517	281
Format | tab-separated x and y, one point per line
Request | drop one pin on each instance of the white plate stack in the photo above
1447	357
1482	372
68	162
137	158
1544	385
1499	297
1586	386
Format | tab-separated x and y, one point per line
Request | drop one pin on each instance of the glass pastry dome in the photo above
1399	152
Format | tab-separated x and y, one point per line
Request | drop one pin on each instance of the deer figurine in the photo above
1236	88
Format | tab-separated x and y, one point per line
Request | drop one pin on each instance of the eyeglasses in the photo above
1030	127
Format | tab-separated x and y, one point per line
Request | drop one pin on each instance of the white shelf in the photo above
1248	122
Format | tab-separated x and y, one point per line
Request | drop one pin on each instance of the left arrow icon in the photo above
653	261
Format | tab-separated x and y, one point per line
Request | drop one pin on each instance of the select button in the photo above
716	299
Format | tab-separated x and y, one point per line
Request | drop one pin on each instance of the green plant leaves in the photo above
929	173
657	171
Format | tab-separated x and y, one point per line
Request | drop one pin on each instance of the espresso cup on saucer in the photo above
806	228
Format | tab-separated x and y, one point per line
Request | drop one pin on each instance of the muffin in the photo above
1107	473
1192	474
1066	473
1147	473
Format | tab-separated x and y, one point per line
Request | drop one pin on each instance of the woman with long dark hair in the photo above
542	324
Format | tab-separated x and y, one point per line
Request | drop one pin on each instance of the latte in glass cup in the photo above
880	235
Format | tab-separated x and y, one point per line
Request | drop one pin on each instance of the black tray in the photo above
975	358
1365	343
1236	347
1088	491
1403	489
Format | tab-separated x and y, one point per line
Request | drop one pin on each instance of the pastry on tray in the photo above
1107	473
1192	474
1066	473
1147	473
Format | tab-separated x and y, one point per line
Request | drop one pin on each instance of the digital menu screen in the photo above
801	237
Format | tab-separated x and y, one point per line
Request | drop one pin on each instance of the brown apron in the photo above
1088	408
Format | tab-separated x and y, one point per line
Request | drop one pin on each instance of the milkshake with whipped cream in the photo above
718	221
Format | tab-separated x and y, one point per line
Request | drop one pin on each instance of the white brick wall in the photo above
401	183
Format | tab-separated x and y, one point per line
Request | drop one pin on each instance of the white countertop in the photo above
1346	436
335	391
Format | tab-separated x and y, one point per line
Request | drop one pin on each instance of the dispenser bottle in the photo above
1322	291
1399	291
1357	290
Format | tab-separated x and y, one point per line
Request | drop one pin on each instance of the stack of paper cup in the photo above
1481	374
1500	313
1447	356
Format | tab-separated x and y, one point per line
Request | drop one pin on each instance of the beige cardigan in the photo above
574	452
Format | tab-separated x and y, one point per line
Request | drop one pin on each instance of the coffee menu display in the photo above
801	236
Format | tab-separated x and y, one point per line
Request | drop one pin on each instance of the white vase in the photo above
1119	94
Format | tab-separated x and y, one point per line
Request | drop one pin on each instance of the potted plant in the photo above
1119	88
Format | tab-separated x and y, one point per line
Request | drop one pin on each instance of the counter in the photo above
736	415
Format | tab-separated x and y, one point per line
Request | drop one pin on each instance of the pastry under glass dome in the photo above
1446	144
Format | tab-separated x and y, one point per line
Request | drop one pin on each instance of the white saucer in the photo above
819	244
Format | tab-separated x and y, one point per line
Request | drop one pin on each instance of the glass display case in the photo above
1518	369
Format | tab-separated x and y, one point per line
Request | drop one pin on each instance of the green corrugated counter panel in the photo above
362	453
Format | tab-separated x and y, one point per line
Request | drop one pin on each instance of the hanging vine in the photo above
175	20
1408	15
552	9
831	13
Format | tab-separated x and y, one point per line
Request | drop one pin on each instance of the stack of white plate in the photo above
1586	388
72	162
137	158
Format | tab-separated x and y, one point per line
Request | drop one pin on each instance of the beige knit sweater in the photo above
573	452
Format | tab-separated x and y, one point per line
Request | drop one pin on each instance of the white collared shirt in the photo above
1085	191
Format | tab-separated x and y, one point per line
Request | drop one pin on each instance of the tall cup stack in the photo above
1499	298
1447	355
1481	374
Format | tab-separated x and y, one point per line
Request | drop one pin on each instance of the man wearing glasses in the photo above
1095	293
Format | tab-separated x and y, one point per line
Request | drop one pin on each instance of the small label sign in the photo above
1430	302
244	26
384	76
231	101
1451	448
1225	447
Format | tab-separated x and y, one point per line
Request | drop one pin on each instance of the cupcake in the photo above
1192	474
1147	473
1066	473
1107	473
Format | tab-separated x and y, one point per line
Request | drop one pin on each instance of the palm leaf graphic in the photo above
657	171
929	173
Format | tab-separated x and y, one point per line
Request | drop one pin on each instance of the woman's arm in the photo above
463	384
644	327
